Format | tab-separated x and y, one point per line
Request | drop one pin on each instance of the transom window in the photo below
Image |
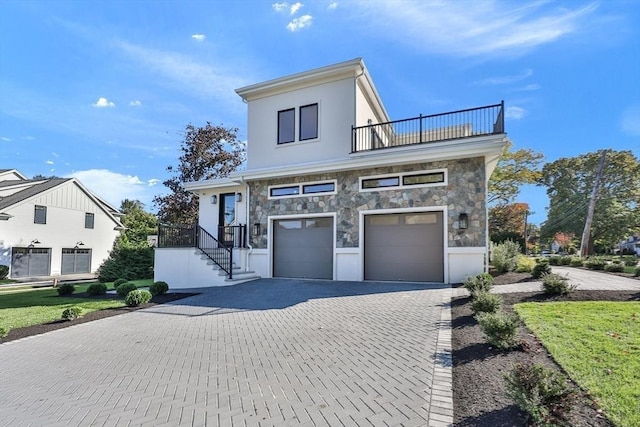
404	180
40	215
311	188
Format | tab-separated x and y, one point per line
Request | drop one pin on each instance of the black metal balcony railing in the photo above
488	120
219	250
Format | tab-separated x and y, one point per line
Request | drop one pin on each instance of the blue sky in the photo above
102	90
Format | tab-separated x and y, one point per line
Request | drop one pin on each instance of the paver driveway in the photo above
269	352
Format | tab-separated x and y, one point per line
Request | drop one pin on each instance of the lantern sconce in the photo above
78	244
257	229
214	199
463	221
34	242
238	197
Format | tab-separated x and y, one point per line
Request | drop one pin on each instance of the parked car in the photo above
545	253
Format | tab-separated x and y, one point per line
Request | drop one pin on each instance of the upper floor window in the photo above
286	126
309	122
88	220
40	215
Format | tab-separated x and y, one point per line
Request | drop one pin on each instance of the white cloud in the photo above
295	8
153	181
332	5
630	121
300	23
530	87
503	80
135	103
515	113
115	187
280	7
466	28
103	103
49	162
5	139
54	154
199	37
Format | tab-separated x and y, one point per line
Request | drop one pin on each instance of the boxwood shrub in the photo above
137	297
66	289
158	288
72	313
118	282
555	284
576	262
500	329
125	288
595	264
540	269
97	289
614	268
484	302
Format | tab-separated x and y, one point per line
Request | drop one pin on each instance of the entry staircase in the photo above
218	253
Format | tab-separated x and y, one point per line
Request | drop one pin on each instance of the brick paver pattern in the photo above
263	353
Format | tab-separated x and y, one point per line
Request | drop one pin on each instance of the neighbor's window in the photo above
308	122
88	220
286	126
40	215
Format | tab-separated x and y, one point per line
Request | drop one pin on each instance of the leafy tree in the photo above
569	183
514	169
42	177
208	152
138	224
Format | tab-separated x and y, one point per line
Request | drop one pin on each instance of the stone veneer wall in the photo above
465	192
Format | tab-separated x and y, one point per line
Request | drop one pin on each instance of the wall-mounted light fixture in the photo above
35	242
214	199
257	229
78	244
463	221
238	197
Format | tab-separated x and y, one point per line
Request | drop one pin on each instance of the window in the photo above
432	178
285	191
88	220
319	188
307	188
381	182
286	126
308	122
40	215
425	178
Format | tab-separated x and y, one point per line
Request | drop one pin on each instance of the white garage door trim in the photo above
445	221
270	237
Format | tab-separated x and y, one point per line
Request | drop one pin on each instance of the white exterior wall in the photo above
335	117
209	213
66	208
364	110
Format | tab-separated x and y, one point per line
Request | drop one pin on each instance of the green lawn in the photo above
21	307
598	344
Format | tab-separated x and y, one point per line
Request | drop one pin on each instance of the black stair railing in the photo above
216	251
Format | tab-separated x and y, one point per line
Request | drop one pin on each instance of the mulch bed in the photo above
479	391
28	331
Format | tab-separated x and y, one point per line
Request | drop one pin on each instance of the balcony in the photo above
480	121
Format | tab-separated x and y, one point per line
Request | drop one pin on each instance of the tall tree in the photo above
208	152
569	183
514	169
138	224
507	222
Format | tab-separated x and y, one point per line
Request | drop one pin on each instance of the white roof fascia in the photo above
210	183
489	147
104	206
15	172
313	77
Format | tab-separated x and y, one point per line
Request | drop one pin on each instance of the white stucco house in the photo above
52	227
334	189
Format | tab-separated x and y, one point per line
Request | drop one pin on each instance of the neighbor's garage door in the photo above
303	248
406	247
76	261
28	262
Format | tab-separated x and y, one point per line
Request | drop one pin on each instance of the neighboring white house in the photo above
333	189
50	227
632	244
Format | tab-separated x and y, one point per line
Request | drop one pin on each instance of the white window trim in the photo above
400	175
300	186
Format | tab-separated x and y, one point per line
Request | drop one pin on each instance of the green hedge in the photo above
127	263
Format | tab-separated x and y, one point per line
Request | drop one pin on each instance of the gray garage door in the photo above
76	261
406	247
30	262
303	248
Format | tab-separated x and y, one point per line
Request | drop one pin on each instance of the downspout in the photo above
248	228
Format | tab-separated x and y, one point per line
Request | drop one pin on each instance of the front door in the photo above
227	218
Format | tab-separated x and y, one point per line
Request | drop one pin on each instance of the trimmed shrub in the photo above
505	256
614	268
4	272
97	289
576	262
540	392
3	332
66	289
565	260
118	282
555	284
127	263
125	288
629	261
137	297
540	269
637	272
158	288
525	264
482	282
484	302
594	264
72	313
500	329
554	260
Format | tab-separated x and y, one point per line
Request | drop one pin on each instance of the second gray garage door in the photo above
303	248
76	261
406	247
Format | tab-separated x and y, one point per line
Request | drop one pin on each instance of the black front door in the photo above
227	217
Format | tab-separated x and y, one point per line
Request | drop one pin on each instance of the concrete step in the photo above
243	277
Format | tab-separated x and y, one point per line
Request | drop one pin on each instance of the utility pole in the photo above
584	246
